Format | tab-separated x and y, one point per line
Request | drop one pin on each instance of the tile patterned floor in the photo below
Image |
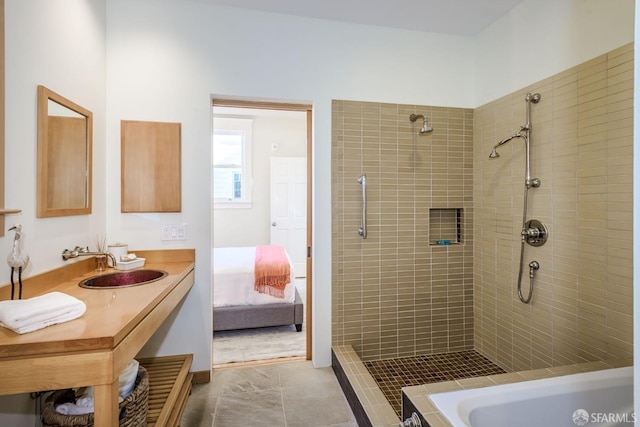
291	394
393	374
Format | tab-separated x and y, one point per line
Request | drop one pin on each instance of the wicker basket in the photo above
133	409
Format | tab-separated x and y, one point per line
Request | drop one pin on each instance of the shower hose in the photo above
524	222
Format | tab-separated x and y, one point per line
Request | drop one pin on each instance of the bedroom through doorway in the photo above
261	169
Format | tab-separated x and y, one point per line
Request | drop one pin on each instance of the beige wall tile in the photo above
588	277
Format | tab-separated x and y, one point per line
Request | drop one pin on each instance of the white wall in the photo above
539	38
250	227
60	45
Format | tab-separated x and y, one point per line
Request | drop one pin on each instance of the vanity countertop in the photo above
111	313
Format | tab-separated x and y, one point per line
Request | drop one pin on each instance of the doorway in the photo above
276	209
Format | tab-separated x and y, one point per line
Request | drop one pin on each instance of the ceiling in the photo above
460	17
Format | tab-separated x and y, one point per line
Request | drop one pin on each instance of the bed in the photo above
236	303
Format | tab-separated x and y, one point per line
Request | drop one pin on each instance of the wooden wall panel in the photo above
151	166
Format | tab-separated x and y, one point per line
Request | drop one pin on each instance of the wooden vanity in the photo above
94	349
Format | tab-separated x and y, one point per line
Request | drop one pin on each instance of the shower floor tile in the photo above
393	374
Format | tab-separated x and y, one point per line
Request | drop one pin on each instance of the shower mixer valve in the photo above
535	233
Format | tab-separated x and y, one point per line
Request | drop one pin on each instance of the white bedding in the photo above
233	279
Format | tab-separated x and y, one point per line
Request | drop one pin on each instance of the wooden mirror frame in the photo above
44	156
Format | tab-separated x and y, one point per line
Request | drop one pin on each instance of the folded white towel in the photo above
22	316
128	379
73	409
84	403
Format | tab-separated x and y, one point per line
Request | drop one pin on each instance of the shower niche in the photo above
445	226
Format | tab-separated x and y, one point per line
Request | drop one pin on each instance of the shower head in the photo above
494	154
425	125
426	128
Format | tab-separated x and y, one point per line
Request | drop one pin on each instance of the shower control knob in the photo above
535	233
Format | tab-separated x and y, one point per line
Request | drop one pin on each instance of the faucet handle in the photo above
66	254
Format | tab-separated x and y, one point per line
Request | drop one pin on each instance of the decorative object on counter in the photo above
118	250
101	263
133	409
101	259
18	258
22	316
129	262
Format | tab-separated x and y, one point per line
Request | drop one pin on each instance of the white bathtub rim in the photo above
456	406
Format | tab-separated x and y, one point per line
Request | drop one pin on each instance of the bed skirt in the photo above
259	316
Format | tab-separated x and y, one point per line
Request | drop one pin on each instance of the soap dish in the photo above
130	265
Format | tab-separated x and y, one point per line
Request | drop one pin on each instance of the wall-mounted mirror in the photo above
64	156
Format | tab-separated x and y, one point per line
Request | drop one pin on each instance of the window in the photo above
232	162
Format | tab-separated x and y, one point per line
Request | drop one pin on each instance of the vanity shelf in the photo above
169	388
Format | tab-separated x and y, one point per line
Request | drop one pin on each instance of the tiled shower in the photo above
398	294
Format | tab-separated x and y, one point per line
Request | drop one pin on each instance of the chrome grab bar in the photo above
363	229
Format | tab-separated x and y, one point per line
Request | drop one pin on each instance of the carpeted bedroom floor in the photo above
249	345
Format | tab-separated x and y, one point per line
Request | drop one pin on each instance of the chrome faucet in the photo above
78	251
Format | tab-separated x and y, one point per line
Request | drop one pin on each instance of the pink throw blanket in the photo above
272	270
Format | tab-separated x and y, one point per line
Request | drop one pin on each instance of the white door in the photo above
288	190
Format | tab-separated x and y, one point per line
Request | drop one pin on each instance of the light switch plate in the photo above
171	232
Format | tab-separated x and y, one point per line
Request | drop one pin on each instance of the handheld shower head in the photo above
494	153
